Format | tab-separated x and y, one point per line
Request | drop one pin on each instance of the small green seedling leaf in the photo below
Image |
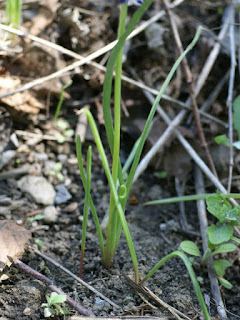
237	240
190	247
236	115
225	283
220	266
218	206
36	218
39	242
225	247
222	139
57	298
219	234
232	216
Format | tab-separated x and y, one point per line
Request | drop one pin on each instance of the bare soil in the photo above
156	230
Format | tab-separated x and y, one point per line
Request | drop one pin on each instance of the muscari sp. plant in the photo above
119	187
13	12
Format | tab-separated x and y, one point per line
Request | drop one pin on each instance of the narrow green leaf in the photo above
225	283
190	247
219	234
220	266
236	115
237	240
225	247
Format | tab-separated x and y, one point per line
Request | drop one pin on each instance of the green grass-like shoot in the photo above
60	102
117	205
13	12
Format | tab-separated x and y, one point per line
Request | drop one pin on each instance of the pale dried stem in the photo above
84	60
102	68
230	92
202	217
52	287
188	75
85	284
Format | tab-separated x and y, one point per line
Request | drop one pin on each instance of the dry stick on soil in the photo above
188	75
142	290
214	94
84	60
202	217
230	93
52	287
122	318
102	68
97	293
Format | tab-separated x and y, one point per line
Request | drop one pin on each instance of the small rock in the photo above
63	194
98	304
5	157
41	156
50	214
27	311
62	157
39	188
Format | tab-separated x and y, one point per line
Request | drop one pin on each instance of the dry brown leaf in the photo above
20	102
13	240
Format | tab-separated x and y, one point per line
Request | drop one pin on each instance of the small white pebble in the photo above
27	311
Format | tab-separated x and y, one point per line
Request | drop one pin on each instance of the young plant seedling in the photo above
119	188
219	236
53	306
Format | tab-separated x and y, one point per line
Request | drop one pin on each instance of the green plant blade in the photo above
237	240
225	247
225	283
115	194
190	248
91	204
147	126
191	274
236	115
60	102
107	87
190	198
85	209
220	266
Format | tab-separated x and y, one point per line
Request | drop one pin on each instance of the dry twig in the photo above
202	217
52	287
97	293
188	75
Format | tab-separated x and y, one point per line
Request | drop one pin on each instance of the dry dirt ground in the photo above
38	147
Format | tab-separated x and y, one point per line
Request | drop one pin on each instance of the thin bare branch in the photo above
202	217
230	92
